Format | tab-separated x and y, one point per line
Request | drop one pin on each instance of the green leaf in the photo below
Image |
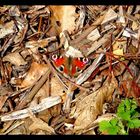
103	125
127	104
113	130
109	127
126	118
135	123
124	115
113	121
126	109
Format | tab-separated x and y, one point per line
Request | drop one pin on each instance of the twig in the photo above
20	114
86	74
35	89
67	103
86	32
15	125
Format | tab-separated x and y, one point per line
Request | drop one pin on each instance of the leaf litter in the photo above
97	50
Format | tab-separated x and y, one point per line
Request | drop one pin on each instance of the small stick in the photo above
35	89
15	125
24	113
67	103
87	31
86	74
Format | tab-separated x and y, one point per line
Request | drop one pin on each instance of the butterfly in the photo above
70	66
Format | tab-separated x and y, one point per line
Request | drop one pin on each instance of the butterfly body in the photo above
69	66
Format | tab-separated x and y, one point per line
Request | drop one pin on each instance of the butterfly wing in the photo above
78	65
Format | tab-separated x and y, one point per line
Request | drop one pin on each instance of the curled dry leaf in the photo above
56	87
119	46
39	43
39	124
109	16
87	110
80	22
66	16
121	18
4	8
6	29
104	117
3	100
22	29
15	58
37	10
4	93
41	94
129	33
35	72
14	11
94	35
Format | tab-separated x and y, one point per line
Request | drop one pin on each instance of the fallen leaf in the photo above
119	46
39	43
6	29
87	110
109	16
66	16
35	72
94	35
56	87
14	58
39	124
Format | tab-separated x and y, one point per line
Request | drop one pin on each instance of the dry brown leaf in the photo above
14	11
15	58
66	15
39	43
4	8
106	117
109	16
35	72
88	31
97	44
16	128
24	113
41	94
37	10
121	17
94	35
4	94
119	46
130	33
56	87
119	68
135	26
6	29
87	110
39	124
2	101
22	28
